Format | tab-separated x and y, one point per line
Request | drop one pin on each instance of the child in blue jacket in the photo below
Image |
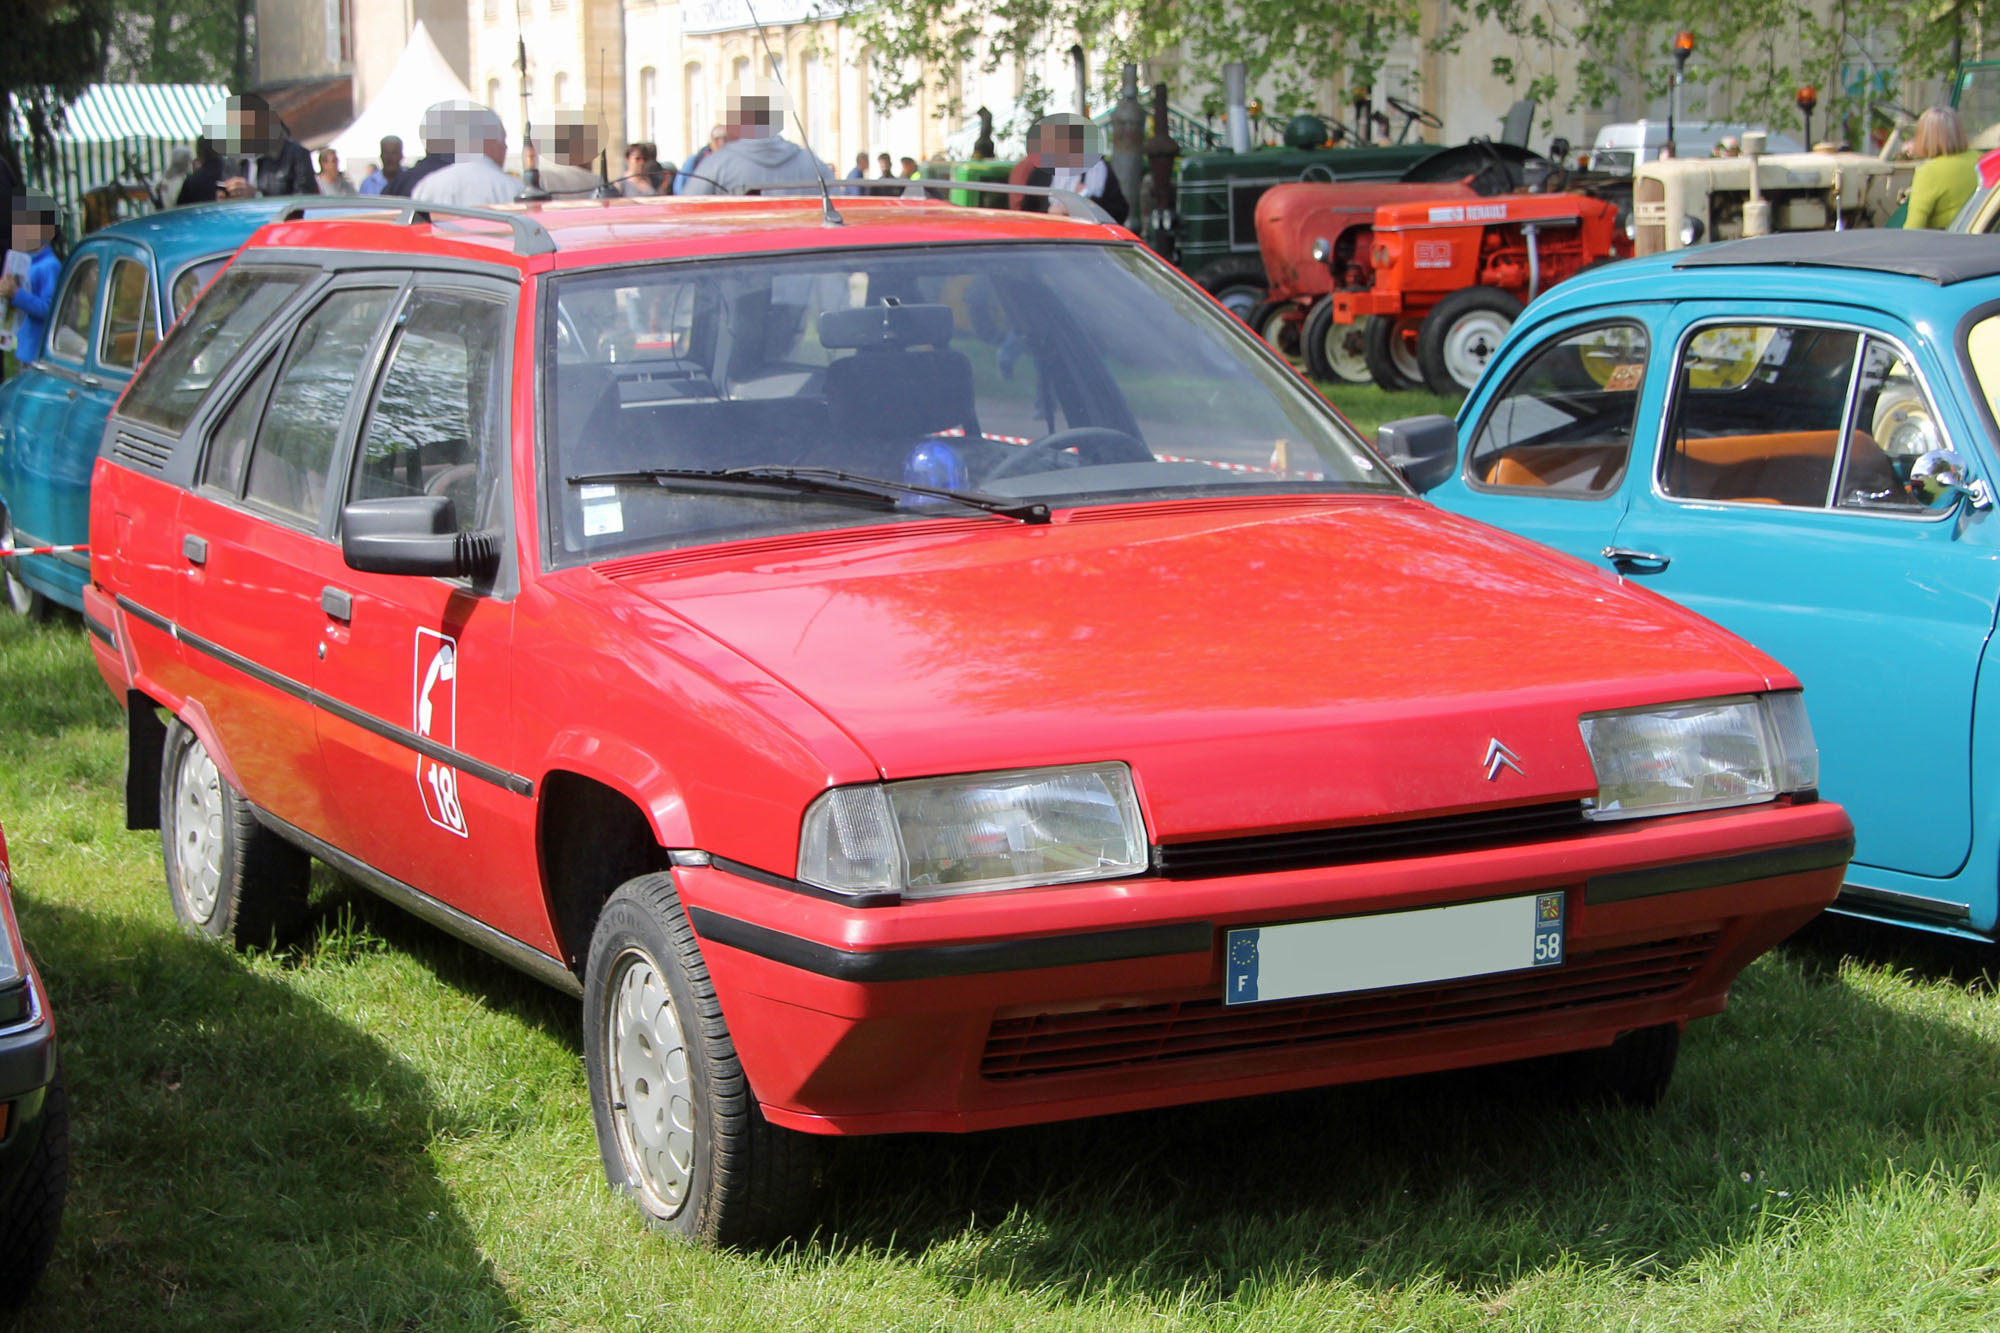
34	218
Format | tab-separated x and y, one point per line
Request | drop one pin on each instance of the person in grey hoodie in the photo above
757	153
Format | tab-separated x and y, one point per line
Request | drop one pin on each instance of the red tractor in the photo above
1443	280
1310	235
1359	269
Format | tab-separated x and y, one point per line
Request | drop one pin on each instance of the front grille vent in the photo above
1044	1045
142	453
1371	842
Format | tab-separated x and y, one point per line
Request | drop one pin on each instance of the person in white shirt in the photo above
474	179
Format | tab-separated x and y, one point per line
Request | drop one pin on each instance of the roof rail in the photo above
1078	206
530	236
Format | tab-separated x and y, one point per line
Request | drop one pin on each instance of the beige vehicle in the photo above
1686	201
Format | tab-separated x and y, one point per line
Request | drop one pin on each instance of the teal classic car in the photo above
121	289
1795	436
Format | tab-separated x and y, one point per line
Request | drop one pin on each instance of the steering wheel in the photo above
1093	445
1411	112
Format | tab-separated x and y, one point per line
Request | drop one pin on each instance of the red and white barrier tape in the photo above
80	548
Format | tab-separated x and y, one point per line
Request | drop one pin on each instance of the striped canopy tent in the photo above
115	124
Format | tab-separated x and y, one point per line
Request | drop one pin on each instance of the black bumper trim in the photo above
1624	885
99	630
928	962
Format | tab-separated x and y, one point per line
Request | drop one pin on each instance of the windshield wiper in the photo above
815	481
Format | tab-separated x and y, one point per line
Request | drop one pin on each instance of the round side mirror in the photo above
1939	476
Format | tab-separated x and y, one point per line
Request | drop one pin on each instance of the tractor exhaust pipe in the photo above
1236	98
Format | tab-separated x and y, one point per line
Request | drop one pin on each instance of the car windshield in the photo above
1053	374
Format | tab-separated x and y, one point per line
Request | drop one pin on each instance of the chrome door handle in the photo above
90	381
1629	561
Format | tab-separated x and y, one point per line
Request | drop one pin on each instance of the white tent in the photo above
422	78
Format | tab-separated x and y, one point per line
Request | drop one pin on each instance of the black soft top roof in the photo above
1935	256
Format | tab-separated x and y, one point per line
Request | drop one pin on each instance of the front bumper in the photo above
27	1067
1036	1005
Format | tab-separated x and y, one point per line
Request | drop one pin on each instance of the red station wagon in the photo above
932	670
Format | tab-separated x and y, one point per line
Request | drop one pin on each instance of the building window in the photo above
493	93
739	73
694	107
492	13
817	103
649	105
562	89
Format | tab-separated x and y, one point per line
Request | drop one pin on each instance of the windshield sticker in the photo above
603	511
436	719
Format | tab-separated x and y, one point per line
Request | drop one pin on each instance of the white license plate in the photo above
1358	953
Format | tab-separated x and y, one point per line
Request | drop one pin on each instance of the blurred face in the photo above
392	156
31	236
883	163
717	137
329	161
635	160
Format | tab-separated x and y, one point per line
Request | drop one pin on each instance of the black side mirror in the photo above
415	534
1424	449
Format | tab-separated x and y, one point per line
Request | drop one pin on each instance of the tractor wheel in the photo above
1268	322
1460	336
1390	352
1239	286
1337	352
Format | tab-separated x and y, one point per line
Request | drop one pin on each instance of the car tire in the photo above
1336	352
1460	335
1268	322
677	1125
1240	287
31	1217
1632	1071
1389	353
21	599
228	877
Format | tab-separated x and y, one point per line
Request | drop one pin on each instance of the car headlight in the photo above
1692	231
932	836
13	961
1700	756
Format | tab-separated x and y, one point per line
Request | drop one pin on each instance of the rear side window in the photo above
1563	425
69	336
301	426
1796	416
200	348
190	280
129	332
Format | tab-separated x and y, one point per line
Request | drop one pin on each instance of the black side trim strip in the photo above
1628	884
1907	906
458	759
750	872
953	960
99	630
418	903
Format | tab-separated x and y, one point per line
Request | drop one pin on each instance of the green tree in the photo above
180	41
52	49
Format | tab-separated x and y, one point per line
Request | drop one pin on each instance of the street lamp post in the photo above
1683	48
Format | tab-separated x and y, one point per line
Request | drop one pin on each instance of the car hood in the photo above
1261	665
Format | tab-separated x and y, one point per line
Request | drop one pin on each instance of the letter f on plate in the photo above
1498	756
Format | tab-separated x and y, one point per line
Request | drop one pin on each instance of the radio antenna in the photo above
828	214
531	174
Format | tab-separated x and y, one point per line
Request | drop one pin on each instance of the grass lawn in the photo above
1368	406
388	1130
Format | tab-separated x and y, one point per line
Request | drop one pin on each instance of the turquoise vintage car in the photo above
1795	436
121	289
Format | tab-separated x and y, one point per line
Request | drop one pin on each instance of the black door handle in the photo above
195	549
1629	561
337	603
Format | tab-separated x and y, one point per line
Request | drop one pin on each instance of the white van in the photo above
1620	148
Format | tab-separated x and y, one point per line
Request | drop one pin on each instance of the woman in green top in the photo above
1949	173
